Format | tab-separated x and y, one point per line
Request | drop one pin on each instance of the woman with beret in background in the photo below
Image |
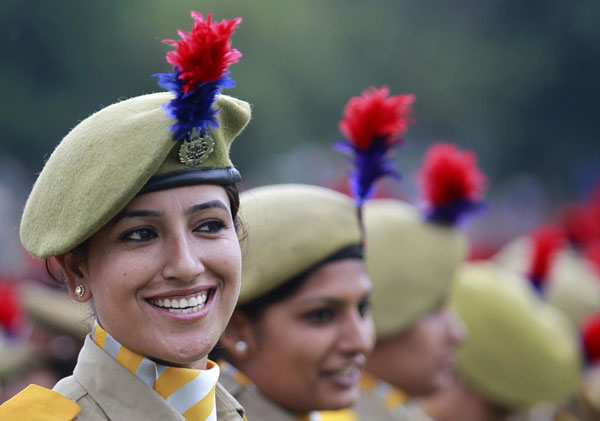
520	350
411	259
301	332
138	206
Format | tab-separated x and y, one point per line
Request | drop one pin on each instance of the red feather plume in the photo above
376	115
11	313
592	254
590	334
581	223
450	175
204	53
546	241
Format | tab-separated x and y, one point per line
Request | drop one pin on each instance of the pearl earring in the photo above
241	347
80	291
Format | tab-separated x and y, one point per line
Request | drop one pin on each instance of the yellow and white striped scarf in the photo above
191	392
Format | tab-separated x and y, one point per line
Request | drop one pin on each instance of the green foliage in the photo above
515	82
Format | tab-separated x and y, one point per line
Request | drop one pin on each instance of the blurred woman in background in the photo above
520	350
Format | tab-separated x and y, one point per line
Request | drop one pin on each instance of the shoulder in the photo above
227	407
34	401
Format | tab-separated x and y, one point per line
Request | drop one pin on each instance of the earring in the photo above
80	290
241	347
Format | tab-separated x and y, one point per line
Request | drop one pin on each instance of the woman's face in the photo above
164	274
420	360
307	350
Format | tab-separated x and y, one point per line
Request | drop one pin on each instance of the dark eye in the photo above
139	235
364	307
210	226
320	316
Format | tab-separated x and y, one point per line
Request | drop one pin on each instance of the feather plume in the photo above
590	335
451	183
546	242
11	313
581	223
372	125
201	60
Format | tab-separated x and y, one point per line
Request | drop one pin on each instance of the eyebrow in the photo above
146	213
207	205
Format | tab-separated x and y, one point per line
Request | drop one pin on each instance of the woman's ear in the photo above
74	268
239	337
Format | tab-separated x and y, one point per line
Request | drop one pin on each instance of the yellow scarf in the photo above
190	392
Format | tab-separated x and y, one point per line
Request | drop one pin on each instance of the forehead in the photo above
182	196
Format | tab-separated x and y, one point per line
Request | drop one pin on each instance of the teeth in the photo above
346	371
183	305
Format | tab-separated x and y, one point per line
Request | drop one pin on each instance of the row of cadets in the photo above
302	330
556	260
419	308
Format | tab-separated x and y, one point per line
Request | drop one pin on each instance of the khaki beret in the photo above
519	350
572	286
410	261
113	155
291	228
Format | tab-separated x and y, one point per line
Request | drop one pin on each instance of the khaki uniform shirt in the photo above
257	406
105	390
380	401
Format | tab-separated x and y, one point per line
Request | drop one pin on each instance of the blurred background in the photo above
516	83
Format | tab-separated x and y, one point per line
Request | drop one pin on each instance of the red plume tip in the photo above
375	115
450	175
204	53
11	313
581	223
546	241
590	333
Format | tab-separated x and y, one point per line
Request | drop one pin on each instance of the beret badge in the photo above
195	150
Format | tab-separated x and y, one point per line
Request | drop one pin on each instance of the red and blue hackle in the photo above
200	71
451	184
373	124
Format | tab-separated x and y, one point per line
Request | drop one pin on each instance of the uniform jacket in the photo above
257	406
105	390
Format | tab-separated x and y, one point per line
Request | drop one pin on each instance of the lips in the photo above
179	304
345	377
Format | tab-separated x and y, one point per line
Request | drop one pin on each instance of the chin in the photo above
340	400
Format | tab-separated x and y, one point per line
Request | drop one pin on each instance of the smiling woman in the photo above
138	205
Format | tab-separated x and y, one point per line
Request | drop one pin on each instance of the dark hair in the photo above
233	195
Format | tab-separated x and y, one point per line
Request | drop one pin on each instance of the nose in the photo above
357	334
182	261
456	328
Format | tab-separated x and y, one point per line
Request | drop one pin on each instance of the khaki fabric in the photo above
105	161
256	405
410	261
291	228
105	390
572	286
519	350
